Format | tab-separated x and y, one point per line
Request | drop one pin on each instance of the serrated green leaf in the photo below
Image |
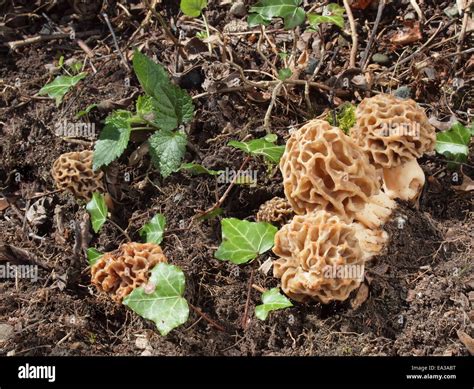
284	74
289	10
144	105
113	139
171	104
269	150
161	299
243	241
196	168
60	86
345	117
272	301
193	8
97	208
453	144
167	149
153	231
93	255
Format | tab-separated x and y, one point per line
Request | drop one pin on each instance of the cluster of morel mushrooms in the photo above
342	189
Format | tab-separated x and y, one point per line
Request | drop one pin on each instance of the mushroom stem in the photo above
377	211
371	241
404	182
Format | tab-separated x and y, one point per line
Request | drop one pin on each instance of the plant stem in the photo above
207	32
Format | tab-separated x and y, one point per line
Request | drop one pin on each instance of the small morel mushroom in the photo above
324	169
73	172
119	272
320	258
394	133
276	210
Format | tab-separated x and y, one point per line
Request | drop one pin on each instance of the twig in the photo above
462	34
208	319
120	229
259	288
417	9
247	303
350	16
43	38
365	54
268	114
206	24
109	25
226	193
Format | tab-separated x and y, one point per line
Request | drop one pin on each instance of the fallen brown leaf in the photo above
361	296
467	184
4	204
409	34
360	4
466	340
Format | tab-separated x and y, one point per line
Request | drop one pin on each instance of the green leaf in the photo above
93	256
171	104
272	138
193	8
86	111
144	105
60	86
161	299
243	241
256	20
269	150
453	144
152	231
345	116
167	149
196	168
211	215
284	74
97	208
332	13
289	10
113	139
272	301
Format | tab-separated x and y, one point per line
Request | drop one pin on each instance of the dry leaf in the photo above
466	340
4	204
409	34
361	296
467	184
360	4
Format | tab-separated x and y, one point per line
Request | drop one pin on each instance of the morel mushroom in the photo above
324	169
73	172
275	210
394	133
320	258
119	272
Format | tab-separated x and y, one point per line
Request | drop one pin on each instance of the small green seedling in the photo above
152	232
97	209
454	143
272	300
265	147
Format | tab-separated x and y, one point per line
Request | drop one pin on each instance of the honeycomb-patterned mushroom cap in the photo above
323	169
73	171
392	131
275	210
119	272
320	258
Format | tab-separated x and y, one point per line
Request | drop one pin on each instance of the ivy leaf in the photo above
332	13
93	256
152	231
60	86
257	20
243	241
195	168
164	304
167	149
193	8
453	144
272	301
262	146
289	10
171	104
97	208
113	139
284	74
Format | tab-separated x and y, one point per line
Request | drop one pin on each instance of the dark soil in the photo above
418	288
